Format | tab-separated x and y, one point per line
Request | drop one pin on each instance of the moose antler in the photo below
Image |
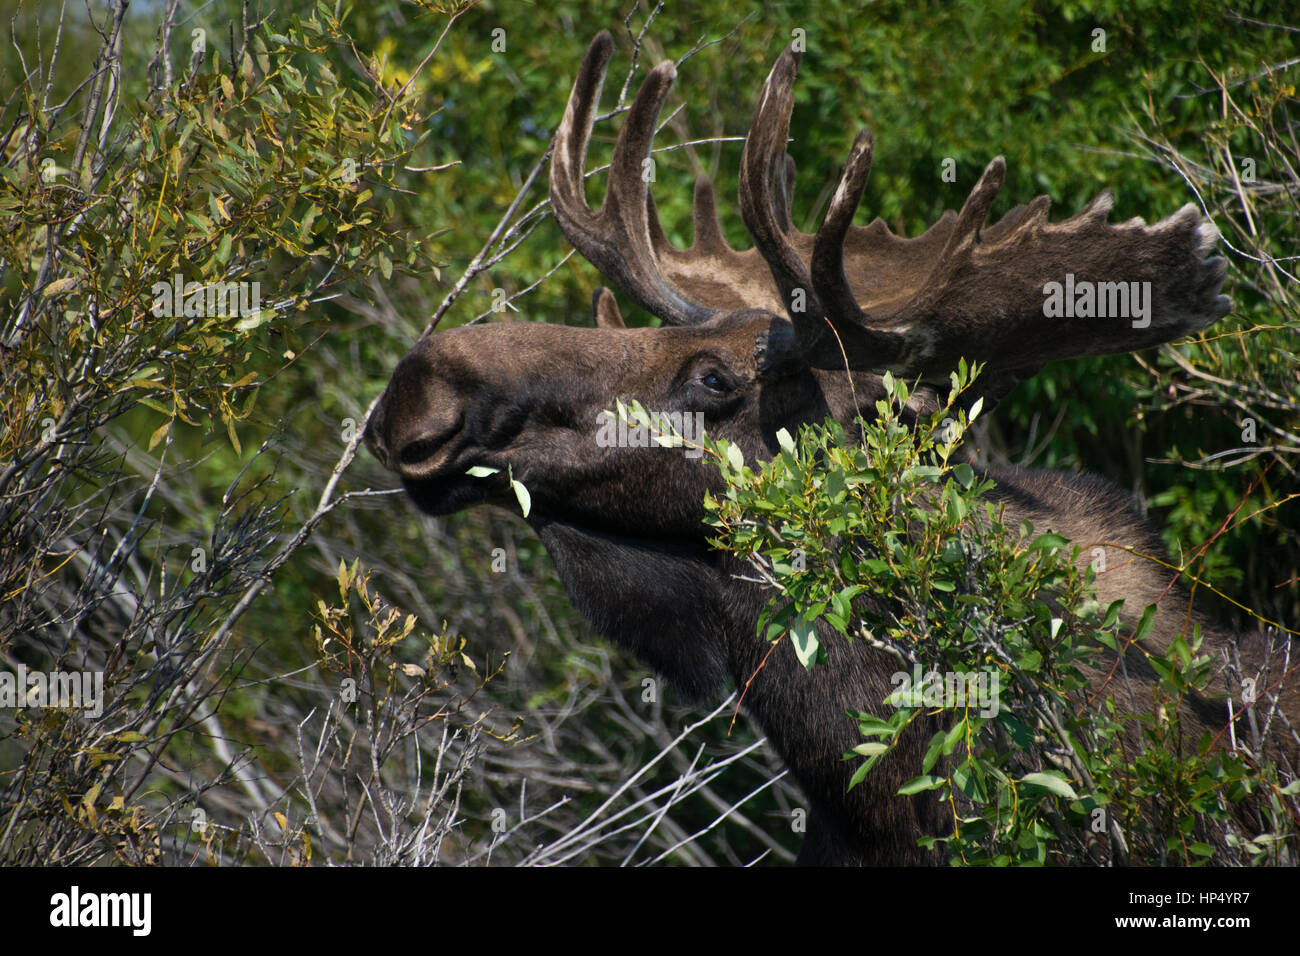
624	239
863	295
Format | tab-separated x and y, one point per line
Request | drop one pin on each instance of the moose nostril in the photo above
415	453
418	451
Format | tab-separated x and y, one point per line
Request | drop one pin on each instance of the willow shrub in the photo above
888	538
166	235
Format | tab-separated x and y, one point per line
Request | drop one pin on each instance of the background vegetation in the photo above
179	502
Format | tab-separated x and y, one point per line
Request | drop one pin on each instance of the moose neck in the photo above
664	599
679	607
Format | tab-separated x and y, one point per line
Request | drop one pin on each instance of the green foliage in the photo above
233	169
894	542
251	172
165	235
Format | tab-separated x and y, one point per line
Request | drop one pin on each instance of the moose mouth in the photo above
447	494
431	468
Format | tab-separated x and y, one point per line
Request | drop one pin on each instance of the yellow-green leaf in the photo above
59	286
160	433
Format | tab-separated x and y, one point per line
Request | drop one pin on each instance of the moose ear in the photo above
776	351
604	308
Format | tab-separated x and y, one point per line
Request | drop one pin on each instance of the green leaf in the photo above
1047	541
861	773
920	784
871	749
255	320
785	441
871	726
803	634
1112	614
1053	782
1031	661
1145	623
735	458
638	414
521	493
932	754
954	735
842	599
482	471
309	218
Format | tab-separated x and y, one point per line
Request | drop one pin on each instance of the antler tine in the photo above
765	198
961	241
828	248
706	228
1029	216
617	240
570	154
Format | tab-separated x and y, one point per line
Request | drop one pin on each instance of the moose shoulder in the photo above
798	328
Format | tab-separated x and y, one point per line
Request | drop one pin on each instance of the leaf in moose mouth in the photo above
521	493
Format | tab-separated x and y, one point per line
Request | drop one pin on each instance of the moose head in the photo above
763	338
795	329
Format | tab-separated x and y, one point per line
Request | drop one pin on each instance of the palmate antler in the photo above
862	294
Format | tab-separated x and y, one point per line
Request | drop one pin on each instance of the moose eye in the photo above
714	382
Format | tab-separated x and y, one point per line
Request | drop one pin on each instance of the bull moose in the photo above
757	340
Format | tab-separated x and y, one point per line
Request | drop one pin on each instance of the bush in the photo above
891	541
